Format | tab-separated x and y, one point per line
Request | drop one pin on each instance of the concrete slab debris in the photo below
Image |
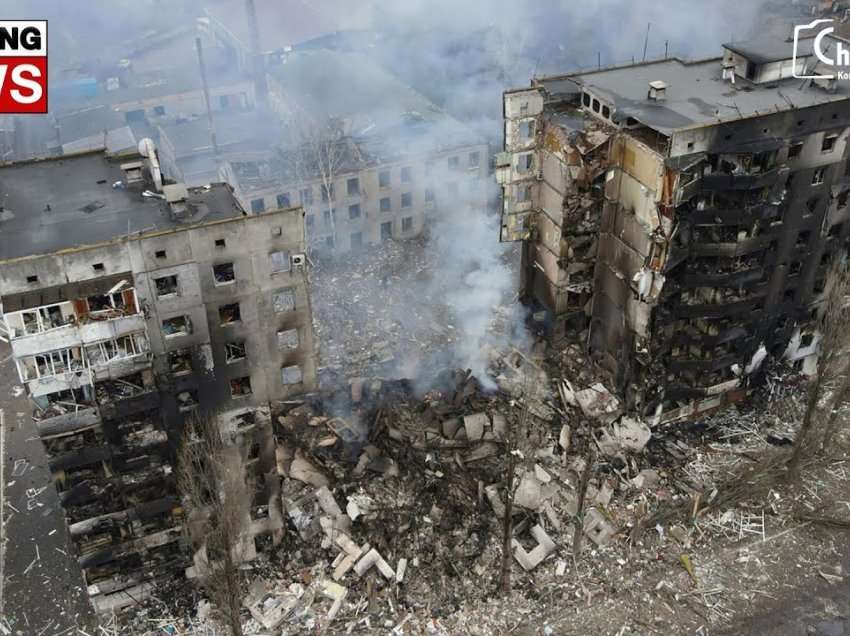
597	527
530	560
374	559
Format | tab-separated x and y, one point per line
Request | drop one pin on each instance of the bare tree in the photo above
212	483
523	437
832	365
319	149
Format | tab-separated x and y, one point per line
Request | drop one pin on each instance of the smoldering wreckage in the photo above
388	501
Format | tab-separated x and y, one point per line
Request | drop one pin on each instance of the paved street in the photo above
42	590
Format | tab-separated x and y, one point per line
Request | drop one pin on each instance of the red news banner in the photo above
23	66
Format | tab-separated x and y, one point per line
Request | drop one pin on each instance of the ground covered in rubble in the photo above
394	494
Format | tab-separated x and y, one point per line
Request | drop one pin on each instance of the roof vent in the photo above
176	195
657	91
729	71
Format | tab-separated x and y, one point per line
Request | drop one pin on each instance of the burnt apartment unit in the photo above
683	213
128	304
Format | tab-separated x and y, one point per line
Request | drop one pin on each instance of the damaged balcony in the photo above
747	171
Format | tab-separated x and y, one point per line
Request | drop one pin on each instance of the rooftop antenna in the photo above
598	59
666	45
200	49
646	40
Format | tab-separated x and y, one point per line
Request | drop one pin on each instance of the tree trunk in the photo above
231	574
832	421
507	528
578	531
805	428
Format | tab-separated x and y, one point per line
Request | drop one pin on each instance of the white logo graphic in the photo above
822	51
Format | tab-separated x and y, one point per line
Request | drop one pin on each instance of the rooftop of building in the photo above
285	23
54	204
697	95
190	136
352	86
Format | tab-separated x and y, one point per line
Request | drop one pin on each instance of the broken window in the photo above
291	375
166	286
606	112
596	105
283	200
98	267
287	339
795	149
230	313
803	238
258	205
585	99
406	174
386	204
828	144
835	230
453	163
280	261
812	205
386	231
240	387
406	199
356	240
223	273
220	243
283	300
353	186
526	129
177	326
327	192
187	400
525	162
523	193
306	195
806	340
32	279
842	198
407	224
818	176
234	351
384	179
180	361
159	254
354	211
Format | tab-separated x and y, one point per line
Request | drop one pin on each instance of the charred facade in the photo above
683	213
129	303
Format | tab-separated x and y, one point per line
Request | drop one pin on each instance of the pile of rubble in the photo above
394	498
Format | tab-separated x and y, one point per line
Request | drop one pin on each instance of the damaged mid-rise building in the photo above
367	157
130	303
681	216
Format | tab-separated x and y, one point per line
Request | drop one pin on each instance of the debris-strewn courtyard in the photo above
395	488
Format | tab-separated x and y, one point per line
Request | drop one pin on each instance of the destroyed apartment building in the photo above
129	303
368	158
684	213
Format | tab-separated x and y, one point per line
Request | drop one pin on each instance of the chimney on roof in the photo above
729	71
176	194
258	66
657	91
